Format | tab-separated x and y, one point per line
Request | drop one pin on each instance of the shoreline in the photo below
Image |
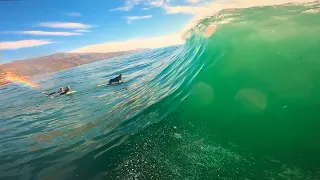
3	85
106	57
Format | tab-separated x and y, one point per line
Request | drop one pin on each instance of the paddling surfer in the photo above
116	79
61	91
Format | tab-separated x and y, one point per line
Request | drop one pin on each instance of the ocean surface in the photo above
239	100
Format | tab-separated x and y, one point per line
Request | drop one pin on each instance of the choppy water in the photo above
242	103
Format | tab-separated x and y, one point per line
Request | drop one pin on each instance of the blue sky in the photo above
32	28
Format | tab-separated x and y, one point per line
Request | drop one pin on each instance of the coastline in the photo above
49	64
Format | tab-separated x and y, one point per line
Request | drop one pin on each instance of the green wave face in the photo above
252	109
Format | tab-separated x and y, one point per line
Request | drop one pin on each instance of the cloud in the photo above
195	10
193	1
131	44
74	14
11	45
129	4
64	25
156	3
46	33
134	18
82	30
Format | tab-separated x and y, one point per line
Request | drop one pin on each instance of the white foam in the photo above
312	11
209	9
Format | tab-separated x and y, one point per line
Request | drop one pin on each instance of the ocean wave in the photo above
219	68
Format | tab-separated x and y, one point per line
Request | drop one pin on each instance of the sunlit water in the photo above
240	100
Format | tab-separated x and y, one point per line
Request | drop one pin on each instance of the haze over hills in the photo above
47	64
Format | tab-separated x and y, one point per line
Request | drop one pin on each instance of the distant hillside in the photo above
55	62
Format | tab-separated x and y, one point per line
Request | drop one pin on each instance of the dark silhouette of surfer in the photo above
116	79
60	92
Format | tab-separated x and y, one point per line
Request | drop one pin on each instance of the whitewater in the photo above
238	100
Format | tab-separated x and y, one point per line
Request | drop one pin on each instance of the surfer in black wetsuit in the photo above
116	79
49	94
65	90
60	92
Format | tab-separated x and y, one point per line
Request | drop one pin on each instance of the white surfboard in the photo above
70	92
110	84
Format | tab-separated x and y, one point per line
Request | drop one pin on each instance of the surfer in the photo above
68	89
60	92
116	79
